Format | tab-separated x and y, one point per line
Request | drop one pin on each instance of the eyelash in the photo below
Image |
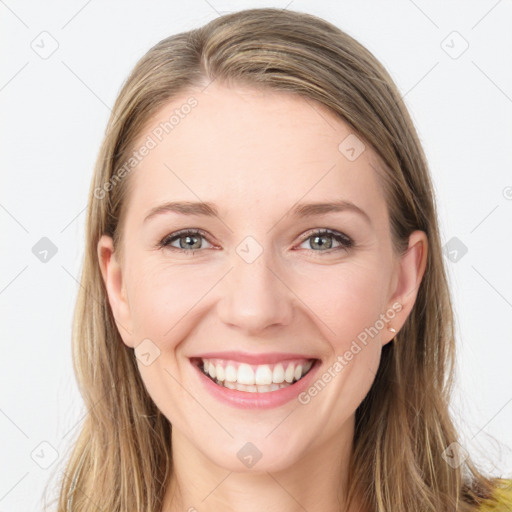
345	241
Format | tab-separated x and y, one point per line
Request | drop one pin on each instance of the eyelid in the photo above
324	231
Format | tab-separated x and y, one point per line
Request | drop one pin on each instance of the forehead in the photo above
243	148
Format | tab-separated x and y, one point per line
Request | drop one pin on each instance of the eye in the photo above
188	240
322	239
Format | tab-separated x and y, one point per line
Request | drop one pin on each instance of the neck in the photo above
317	481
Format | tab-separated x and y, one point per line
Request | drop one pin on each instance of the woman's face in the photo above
255	290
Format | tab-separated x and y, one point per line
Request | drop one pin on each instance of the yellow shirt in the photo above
504	494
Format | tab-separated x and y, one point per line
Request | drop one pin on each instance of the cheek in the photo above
166	305
165	299
347	299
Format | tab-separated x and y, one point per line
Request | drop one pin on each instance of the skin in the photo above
255	154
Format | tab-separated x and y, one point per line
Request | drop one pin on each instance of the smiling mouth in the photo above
263	378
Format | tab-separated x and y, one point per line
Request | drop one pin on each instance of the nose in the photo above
255	296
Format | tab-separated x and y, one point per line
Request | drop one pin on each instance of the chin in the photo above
255	454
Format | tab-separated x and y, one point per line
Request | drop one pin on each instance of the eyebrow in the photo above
302	210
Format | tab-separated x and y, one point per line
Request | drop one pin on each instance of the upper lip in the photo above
244	357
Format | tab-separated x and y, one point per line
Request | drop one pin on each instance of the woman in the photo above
264	321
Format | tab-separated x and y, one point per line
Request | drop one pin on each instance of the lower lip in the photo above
248	400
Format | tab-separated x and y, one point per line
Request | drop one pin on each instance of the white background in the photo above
54	112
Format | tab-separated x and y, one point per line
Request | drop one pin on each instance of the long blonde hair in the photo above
121	459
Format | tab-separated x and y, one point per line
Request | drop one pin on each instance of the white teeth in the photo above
278	374
289	374
255	377
252	388
245	374
230	373
219	370
263	375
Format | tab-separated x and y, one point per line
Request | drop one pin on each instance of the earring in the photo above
392	329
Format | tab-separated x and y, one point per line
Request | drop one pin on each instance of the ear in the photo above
116	291
407	279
